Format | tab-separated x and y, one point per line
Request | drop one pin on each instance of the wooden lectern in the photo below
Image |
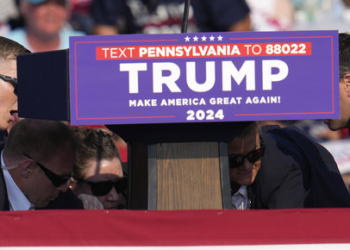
170	166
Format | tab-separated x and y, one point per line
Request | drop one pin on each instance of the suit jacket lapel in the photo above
251	198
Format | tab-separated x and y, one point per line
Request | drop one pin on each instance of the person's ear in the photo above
24	8
346	80
27	168
69	9
72	184
76	186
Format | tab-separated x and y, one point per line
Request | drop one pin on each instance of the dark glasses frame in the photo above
58	2
57	180
11	80
235	161
102	188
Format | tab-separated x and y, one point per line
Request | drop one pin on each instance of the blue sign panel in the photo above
204	77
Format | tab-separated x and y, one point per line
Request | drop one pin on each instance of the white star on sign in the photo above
187	39
212	38
195	39
204	38
220	38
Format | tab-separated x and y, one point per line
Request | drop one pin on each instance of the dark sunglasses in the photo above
253	156
104	187
10	80
57	180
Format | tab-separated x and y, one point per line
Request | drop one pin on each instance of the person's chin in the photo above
46	202
329	124
42	204
246	179
246	175
335	125
111	206
3	125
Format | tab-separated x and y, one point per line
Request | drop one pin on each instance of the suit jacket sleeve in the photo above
67	200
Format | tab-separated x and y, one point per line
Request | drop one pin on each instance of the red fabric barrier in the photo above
174	228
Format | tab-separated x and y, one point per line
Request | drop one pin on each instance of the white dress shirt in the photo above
240	199
18	201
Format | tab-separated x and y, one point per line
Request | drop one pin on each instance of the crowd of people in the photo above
52	165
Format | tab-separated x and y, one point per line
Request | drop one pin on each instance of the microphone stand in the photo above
185	16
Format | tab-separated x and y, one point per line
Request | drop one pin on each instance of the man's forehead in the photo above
8	67
243	142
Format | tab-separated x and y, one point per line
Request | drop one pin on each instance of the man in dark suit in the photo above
283	168
36	164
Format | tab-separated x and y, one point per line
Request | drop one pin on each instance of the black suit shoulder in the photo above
298	172
278	183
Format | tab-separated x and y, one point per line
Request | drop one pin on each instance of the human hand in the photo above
90	202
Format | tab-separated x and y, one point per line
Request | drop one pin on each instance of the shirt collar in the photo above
18	201
243	191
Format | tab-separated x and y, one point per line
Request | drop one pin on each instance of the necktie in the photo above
239	201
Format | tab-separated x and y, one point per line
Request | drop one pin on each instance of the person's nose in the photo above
113	195
63	187
246	165
14	107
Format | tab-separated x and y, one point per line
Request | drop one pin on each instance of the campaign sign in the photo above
204	77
